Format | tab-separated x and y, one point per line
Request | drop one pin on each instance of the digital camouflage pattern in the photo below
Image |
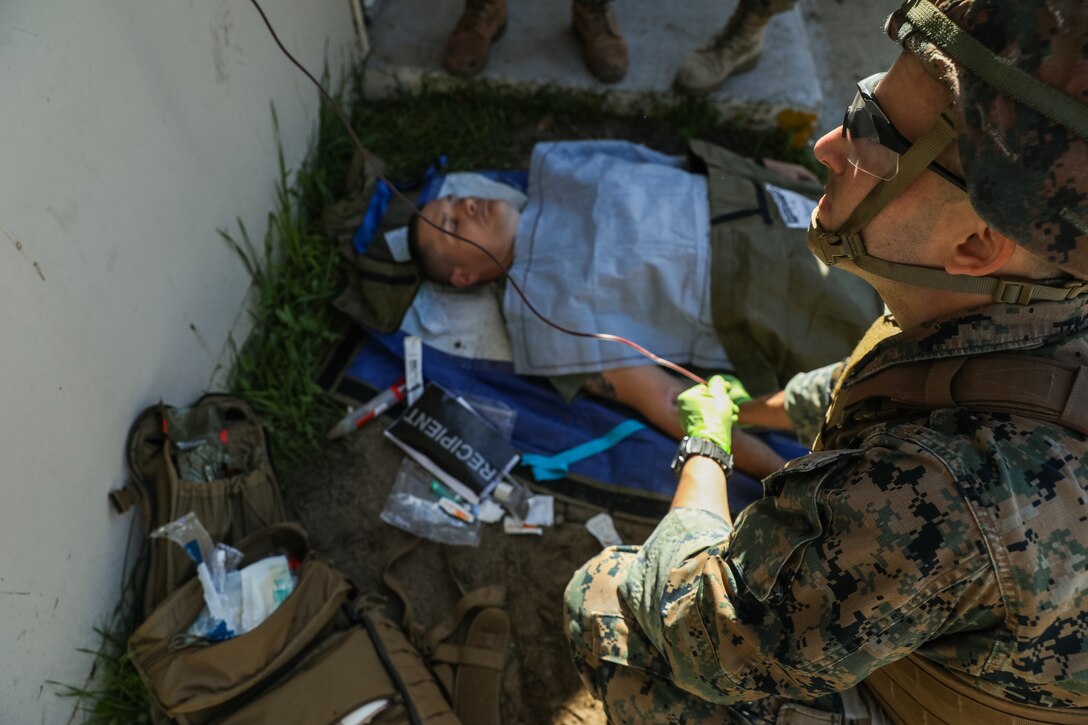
1026	175
808	396
618	663
959	535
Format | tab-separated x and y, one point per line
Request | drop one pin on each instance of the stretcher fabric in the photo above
632	477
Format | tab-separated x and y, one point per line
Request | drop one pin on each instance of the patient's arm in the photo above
766	411
652	392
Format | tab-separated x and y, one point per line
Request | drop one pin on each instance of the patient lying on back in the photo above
649	280
680	328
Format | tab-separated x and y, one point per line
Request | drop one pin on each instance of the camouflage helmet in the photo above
1026	169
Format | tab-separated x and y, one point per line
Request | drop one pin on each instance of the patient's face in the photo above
491	223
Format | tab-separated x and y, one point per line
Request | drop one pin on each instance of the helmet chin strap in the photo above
831	247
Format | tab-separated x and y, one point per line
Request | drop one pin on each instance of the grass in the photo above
295	268
296	274
480	125
115	695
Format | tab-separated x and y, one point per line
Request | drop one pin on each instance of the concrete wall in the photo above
131	131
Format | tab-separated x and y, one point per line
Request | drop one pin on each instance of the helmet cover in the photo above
1027	175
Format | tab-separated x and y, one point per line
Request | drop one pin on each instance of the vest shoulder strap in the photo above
1024	385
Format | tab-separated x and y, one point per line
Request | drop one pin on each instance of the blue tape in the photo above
550	468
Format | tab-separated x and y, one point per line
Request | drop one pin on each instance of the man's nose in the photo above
470	206
830	151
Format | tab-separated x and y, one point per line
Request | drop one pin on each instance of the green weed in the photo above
296	273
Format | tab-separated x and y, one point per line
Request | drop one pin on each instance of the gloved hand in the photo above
708	411
737	393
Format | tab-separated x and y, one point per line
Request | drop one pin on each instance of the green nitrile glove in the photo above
737	393
708	411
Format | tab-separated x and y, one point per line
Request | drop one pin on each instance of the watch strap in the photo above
690	446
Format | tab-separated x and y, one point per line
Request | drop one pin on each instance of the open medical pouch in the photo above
311	662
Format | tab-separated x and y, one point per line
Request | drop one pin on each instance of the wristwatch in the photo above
701	447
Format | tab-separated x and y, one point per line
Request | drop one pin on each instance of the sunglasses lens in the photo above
864	150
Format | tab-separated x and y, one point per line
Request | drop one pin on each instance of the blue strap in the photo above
550	468
379	203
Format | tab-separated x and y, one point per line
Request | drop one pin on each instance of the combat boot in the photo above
467	48
603	46
734	49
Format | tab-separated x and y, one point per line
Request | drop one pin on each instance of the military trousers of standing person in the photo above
759	7
623	669
765	8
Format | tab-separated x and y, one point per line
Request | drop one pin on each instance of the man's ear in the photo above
462	277
981	253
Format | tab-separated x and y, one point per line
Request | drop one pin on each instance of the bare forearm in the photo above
703	486
766	411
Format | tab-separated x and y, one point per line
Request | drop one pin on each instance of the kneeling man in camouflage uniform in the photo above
927	562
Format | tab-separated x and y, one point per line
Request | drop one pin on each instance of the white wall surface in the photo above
130	131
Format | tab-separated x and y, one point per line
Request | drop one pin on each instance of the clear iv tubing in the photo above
369	158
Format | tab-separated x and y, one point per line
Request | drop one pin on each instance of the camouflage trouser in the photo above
634	681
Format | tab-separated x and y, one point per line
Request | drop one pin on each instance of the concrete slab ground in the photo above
847	43
408	37
812	55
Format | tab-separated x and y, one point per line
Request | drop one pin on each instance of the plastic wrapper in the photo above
235	600
188	533
413	505
604	530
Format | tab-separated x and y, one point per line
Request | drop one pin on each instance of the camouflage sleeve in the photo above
683	533
854	559
808	396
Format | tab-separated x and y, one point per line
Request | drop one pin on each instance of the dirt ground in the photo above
339	499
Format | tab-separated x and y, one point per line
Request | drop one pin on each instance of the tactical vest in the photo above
777	309
914	690
1018	384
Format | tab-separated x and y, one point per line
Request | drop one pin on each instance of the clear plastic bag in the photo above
200	442
413	505
495	412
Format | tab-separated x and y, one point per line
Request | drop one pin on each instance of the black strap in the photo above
763	210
